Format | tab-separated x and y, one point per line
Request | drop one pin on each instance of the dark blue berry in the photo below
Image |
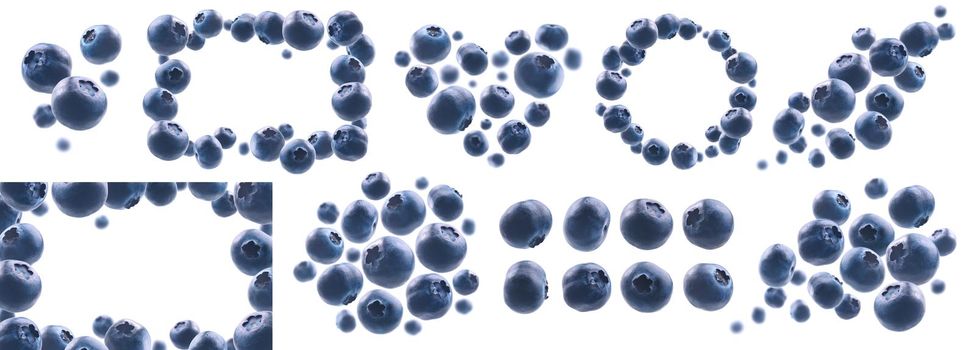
646	287
403	212
611	85
633	136
888	57
268	27
124	195
945	241
254	332
667	25
44	116
655	151
742	97
451	110
611	59
873	130
168	35
324	245
78	199
345	321
345	69
525	288
359	221
344	28
876	188
242	27
445	202
159	104
631	55
777	265
208	152
853	69
173	75
465	282
109	78
833	100
737	122
911	206
799	102
431	44
428	296
586	223
376	185
799	311
304	271
514	137
352	101
775	297
380	312
617	118
251	251
946	31
349	143
708	224
862	269
572	59
23	196
863	38
363	49
826	290
912	78
259	291
208	23
920	38
913	258
538	75
586	287
388	262
820	242
127	334
871	231
339	284
900	306
518	42
472	58
476	143
302	30
886	100
440	248
832	205
526	224
708	286
719	40
19	333
78	103
788	126
496	101
44	65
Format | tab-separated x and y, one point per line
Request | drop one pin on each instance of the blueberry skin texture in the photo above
611	85
124	195
708	286
349	143
912	78
403	212
642	33
840	143
586	287
55	338
260	291
800	312
20	285
297	156
888	57
173	75
79	199
379	312
428	296
862	269
863	38
820	242
346	69
388	262
496	101
920	39
775	297
826	290
445	202
44	65
465	282
708	224
646	287
23	196
421	81
101	325
911	206
737	122
833	100
900	306
876	188
19	333
208	152
160	104
430	44
831	205
617	118
208	341
873	130
21	241
168	35
127	334
345	321
586	223
352	101
777	265
242	28
251	251
611	59
849	307
945	241
440	247
741	68
472	58
339	284
254	332
302	30
78	103
359	221
871	231
476	143
538	75
517	42
525	288
514	137
788	126
913	258
655	151
363	49
526	224
183	333
451	110
253	201
324	245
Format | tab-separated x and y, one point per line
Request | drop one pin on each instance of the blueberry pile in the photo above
641	35
452	109
21	245
646	225
911	259
388	261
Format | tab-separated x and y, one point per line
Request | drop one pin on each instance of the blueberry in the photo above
708	224
872	130
44	65
611	59
911	206
900	306
78	103
833	100
713	133
633	136
655	151
526	224
719	40
920	38
871	231
586	287
445	202
631	55
816	158
708	286
101	222
20	284
440	248
304	271
736	123
403	212
268	27
109	78
945	241
101	44
168	35
413	327
888	57
586	223
259	291
324	245
208	341
617	118
449	74
820	242
127	334
832	205
913	258
500	59
349	142
468	226
167	140
538	75
160	104
818	130
525	288
297	156
23	196
799	278
183	333
777	265
379	312
687	29
863	38
611	85
242	28
352	101
518	42
352	255
359	221
885	100
44	116
451	110
251	251
912	78
799	102
345	28
302	30
254	332
208	23
840	143
465	282
536	114
946	31
346	69
496	101
572	59
173	75
775	297
339	284
19	333
729	145
207	191
428	296
79	199
472	58
853	69
826	290
421	81
862	269
667	26
646	224
124	195
712	151
327	213
85	343
55	338
876	188
646	287
514	137
799	311
388	262
476	144
742	97
430	44
938	286
848	308
208	152
345	321
729	52
788	126
101	325
496	160
600	109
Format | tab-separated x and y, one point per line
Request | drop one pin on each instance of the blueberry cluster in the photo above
21	245
646	225
388	261
452	109
911	259
641	35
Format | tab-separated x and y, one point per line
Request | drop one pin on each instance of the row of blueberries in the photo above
21	245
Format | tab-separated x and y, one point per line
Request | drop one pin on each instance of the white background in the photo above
154	265
679	90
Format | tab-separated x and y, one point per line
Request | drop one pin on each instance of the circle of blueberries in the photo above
21	246
388	261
